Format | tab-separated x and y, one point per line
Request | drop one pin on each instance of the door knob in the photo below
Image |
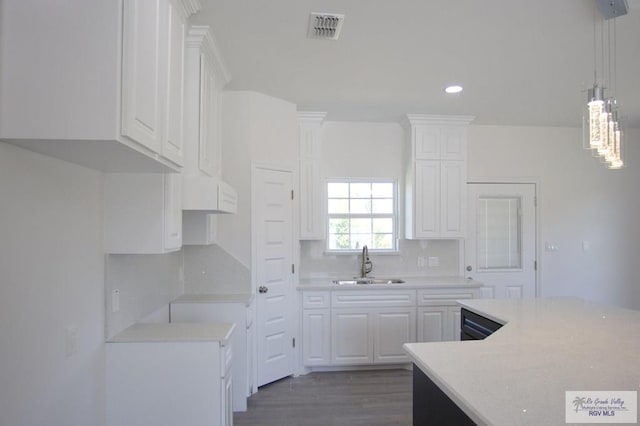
262	289
469	268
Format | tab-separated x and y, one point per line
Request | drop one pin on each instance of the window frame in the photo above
394	215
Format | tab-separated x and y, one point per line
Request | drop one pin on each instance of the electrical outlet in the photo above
420	261
71	341
434	261
115	300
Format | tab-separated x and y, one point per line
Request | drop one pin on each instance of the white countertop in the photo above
411	283
519	374
175	332
245	298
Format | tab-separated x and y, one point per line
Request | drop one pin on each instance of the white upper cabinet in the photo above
119	108
206	75
142	213
312	214
436	176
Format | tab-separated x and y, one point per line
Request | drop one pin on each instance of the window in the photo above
361	213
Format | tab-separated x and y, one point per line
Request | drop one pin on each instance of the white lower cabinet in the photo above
351	336
393	327
169	383
368	327
316	332
204	308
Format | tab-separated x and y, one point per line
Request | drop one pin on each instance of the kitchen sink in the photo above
368	281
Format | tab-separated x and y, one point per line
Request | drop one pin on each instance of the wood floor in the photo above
382	397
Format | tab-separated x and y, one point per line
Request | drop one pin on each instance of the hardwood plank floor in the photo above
379	397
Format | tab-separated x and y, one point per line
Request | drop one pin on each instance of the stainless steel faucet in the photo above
367	265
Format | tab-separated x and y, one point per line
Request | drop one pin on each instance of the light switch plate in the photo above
434	261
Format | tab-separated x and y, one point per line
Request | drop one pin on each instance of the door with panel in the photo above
272	210
500	249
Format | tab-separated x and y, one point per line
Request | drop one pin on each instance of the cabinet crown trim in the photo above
309	117
201	37
415	119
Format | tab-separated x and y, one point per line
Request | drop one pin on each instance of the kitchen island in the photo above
519	374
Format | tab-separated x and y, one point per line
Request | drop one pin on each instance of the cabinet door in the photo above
432	324
208	113
226	393
453	145
144	52
174	103
455	319
427	199
316	337
393	328
453	176
172	212
427	141
312	226
351	337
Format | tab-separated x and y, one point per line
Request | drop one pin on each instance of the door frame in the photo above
538	211
295	253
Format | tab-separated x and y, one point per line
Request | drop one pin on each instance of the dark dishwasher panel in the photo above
476	327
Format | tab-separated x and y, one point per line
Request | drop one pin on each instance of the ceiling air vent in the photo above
325	26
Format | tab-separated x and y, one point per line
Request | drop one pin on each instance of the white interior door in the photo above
273	243
500	249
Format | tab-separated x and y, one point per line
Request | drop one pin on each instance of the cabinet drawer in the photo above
373	298
440	296
315	299
226	357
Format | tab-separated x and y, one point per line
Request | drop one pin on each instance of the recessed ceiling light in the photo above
453	89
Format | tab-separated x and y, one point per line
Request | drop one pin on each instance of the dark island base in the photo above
431	406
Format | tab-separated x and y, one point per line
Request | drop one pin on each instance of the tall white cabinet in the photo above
119	109
204	192
312	213
436	164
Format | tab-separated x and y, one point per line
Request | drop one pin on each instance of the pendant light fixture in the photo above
601	124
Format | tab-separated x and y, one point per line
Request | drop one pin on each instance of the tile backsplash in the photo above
147	283
315	263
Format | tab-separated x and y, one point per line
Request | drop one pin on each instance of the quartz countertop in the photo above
326	283
175	332
519	374
245	298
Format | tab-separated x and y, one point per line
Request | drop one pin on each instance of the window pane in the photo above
499	233
360	190
382	190
360	240
382	206
338	190
384	225
339	226
360	226
337	205
383	241
361	206
339	242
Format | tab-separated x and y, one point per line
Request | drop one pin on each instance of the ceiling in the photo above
521	62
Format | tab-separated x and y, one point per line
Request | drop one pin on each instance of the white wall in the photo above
51	277
256	128
372	150
580	200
